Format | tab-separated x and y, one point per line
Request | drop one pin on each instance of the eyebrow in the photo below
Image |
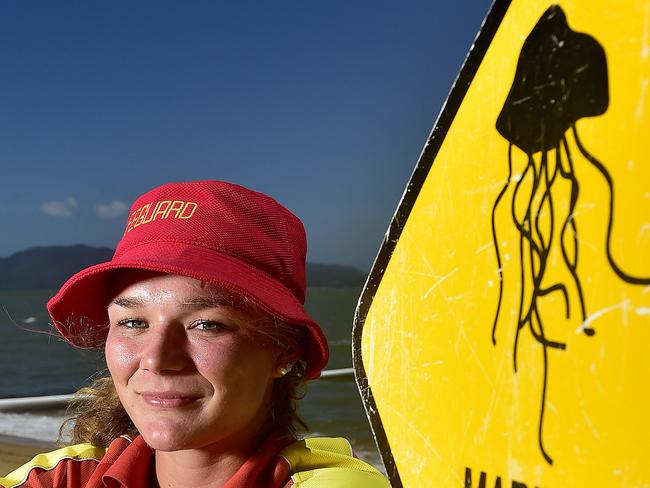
206	302
194	303
128	302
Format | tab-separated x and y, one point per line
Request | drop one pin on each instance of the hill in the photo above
48	268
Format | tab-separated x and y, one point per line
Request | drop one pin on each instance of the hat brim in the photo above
78	310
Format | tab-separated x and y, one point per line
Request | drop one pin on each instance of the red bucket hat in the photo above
213	231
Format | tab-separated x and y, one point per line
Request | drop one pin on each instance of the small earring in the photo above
285	369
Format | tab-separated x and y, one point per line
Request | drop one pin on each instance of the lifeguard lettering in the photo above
177	209
177	206
188	210
161	208
143	215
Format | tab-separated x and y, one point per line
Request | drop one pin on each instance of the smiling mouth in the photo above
167	399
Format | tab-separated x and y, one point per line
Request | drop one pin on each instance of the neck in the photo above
211	465
197	467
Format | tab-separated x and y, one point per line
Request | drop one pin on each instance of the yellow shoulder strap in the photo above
49	460
324	462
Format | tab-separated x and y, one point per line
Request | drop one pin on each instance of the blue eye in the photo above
208	325
133	323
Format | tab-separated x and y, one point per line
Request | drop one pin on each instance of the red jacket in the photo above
318	462
128	464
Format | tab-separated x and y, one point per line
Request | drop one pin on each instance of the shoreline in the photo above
16	451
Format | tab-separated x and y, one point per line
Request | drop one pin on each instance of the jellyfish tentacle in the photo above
533	250
538	274
572	265
540	335
540	426
520	325
544	243
540	434
496	244
636	280
522	226
575	190
533	230
558	163
533	317
516	191
546	197
549	196
522	235
535	253
561	288
545	344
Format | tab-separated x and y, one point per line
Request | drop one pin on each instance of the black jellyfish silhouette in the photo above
561	77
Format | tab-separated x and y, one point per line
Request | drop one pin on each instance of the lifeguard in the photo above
176	209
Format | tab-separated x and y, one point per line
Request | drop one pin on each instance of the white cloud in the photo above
64	208
111	210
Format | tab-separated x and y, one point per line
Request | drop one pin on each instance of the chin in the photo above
164	441
163	435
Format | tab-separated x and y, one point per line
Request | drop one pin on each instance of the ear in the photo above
284	362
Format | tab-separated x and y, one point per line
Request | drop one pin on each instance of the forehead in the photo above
150	286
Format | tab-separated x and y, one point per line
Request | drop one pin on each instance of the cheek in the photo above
214	361
237	361
121	357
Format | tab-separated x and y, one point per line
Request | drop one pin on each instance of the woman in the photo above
200	314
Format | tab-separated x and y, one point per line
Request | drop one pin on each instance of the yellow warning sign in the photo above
503	338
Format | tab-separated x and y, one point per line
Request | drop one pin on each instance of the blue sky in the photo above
323	105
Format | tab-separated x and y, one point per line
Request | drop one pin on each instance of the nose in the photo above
165	349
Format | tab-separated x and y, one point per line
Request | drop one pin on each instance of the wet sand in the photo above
16	451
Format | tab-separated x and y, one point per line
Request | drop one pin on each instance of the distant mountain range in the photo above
48	268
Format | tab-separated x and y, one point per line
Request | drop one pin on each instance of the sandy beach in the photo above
16	451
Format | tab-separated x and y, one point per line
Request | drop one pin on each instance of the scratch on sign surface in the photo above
438	282
483	247
625	306
415	430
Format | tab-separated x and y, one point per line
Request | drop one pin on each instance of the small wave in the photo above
40	427
29	320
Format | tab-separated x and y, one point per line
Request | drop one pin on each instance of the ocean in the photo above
35	362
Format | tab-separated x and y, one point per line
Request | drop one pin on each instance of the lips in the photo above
167	399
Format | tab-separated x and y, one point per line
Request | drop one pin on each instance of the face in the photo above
188	367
